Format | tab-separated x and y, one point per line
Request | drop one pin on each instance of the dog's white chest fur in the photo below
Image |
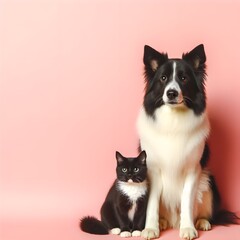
174	141
173	137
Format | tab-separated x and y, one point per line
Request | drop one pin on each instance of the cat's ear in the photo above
142	157
152	60
119	157
196	57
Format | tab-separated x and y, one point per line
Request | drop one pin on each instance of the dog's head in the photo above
177	83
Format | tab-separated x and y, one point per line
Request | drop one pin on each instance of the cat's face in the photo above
131	169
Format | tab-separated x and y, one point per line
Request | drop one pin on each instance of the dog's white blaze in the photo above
173	85
174	71
174	143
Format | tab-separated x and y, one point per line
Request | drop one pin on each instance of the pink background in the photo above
71	85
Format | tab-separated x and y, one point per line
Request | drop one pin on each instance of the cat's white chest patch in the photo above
133	190
132	211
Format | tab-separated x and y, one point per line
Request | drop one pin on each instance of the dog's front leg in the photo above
152	218
187	229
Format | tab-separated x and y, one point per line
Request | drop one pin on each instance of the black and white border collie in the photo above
173	127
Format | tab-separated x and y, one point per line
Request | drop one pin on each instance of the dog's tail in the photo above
224	217
221	217
93	225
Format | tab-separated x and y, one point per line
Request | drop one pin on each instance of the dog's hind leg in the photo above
204	212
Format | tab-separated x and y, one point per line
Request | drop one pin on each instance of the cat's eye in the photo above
124	170
136	169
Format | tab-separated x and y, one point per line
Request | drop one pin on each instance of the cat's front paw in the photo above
115	231
125	234
188	233
136	233
149	233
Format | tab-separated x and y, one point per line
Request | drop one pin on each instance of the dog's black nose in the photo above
172	94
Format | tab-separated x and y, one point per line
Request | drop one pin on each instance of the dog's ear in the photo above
196	57
152	60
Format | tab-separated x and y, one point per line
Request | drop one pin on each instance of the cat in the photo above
124	209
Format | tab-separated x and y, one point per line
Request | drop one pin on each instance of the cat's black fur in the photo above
115	209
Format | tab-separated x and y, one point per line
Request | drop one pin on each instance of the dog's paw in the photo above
136	233
125	234
115	231
188	233
203	224
149	233
163	224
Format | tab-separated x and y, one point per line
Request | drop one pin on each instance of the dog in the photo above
173	129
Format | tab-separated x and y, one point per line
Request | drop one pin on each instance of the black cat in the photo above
124	209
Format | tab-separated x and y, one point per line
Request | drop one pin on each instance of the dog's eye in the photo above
183	79
163	78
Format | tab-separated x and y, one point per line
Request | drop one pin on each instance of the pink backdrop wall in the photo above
71	85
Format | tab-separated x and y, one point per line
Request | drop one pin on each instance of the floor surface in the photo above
67	229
